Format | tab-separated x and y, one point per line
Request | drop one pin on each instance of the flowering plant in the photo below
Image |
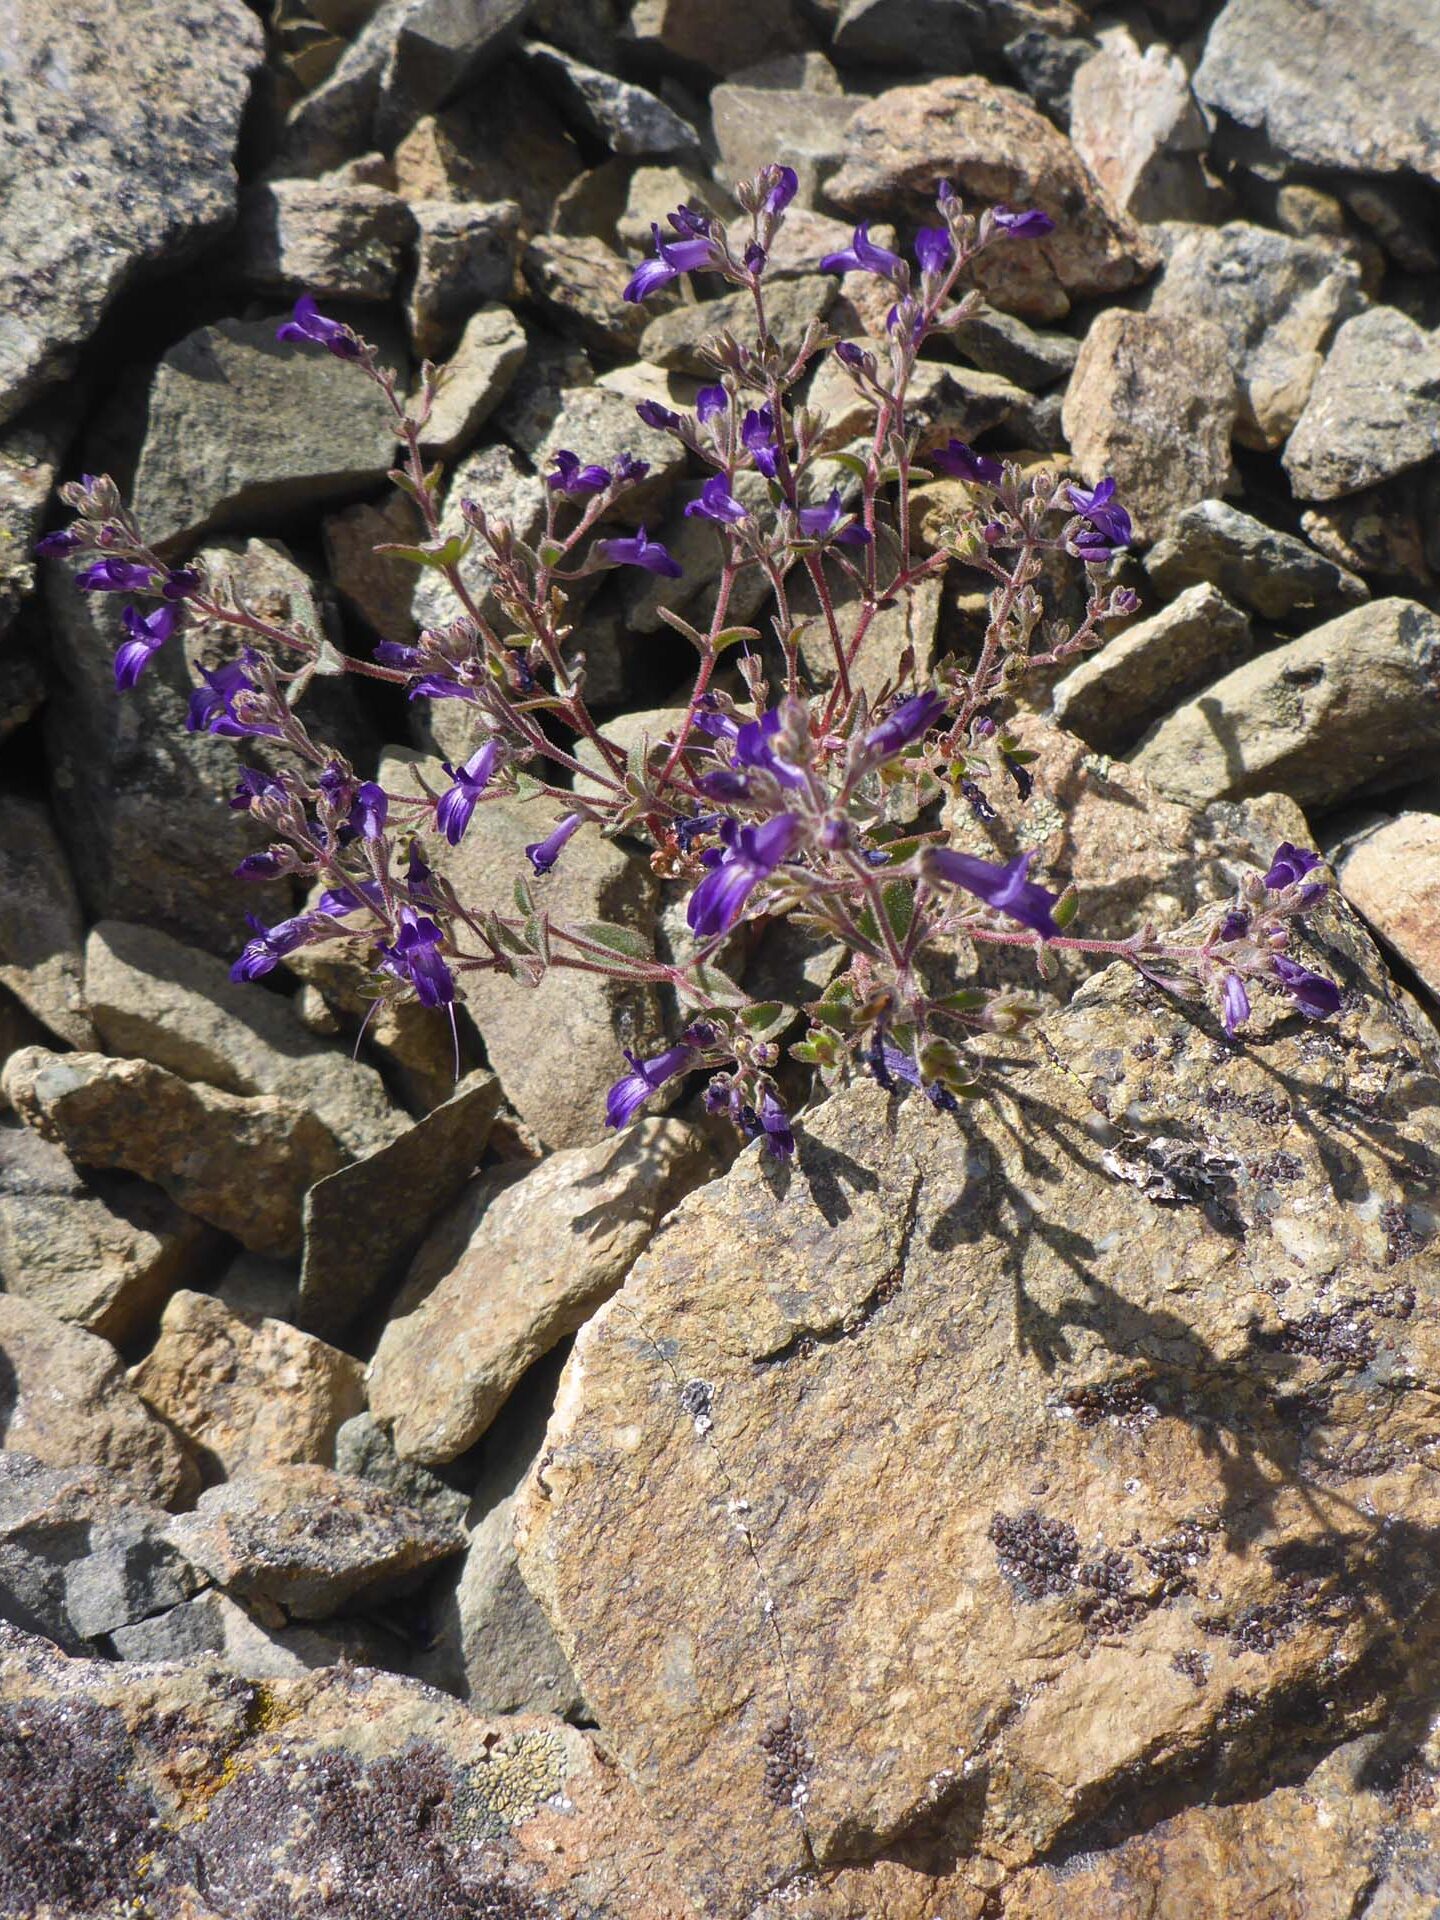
807	798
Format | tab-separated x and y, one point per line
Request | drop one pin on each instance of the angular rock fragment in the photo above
213	1630
499	143
465	256
745	118
580	283
438	49
672	340
624	117
1391	876
1374	408
1137	126
41	930
720	39
244	1165
377	586
1269	572
336	242
364	1449
478	374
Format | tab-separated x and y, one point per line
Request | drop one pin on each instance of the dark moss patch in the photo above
74	1831
1038	1556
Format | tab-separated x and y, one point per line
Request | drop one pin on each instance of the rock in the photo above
557	1047
41	930
673	340
996	148
622	116
720	41
600	424
1390	876
1374	408
1327	85
516	1267
1138	128
314	236
477	376
997	342
214	1630
745	119
1046	67
243	1392
580	283
118	162
1398	214
939	34
336	120
907	626
693	541
243	429
79	1557
499	482
365	1219
553	368
1113	695
376	586
100	1250
501	143
650	194
1379	531
364	1450
1152	402
489	1642
942	400
465	255
242	1164
157	1000
64	1398
439	49
1276	299
929	1466
1350	708
232	1793
30	453
310	1540
591	206
1271	573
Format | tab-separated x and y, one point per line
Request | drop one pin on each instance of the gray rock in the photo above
651	193
1276	299
1114	694
337	242
116	161
939	35
41	929
815	123
1046	64
439	48
1137	126
1152	402
1380	532
673	340
213	1630
1271	573
1330	84
310	1540
941	401
243	428
101	1250
553	368
600	423
1400	216
517	1266
365	1219
695	544
997	342
465	256
1374	408
1351	708
172	1005
78	1556
478	375
377	586
336	120
64	1398
499	143
720	39
627	118
30	454
244	1165
580	283
364	1450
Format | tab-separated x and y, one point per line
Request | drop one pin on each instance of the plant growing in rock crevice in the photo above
786	799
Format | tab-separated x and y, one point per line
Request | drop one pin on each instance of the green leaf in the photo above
898	898
524	899
766	1019
438	554
732	636
964	1000
851	462
550	553
1066	907
625	940
836	1007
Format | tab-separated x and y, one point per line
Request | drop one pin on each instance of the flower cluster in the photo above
798	785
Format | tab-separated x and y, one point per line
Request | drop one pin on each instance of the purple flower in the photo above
1109	528
689	254
370	811
573	480
262	866
779	1140
415	957
785	184
662	419
542	854
439	686
254	785
962	462
1004	887
629	470
934	249
392	653
850	355
757	436
652	555
148	633
269	946
308	324
212	707
818	523
864	256
1234	1003
116	576
710	401
907	723
754	746
63	540
1315	996
338	902
1027	224
1290	866
716	502
1234	926
631	1092
457	803
180	583
719	900
755	257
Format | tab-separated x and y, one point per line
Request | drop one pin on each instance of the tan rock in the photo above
996	148
242	1164
1152	403
477	376
719	40
465	256
1347	709
580	283
333	240
672	340
245	1392
942	400
745	119
499	143
933	1468
377	585
1137	126
65	1399
518	1266
1391	876
41	929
